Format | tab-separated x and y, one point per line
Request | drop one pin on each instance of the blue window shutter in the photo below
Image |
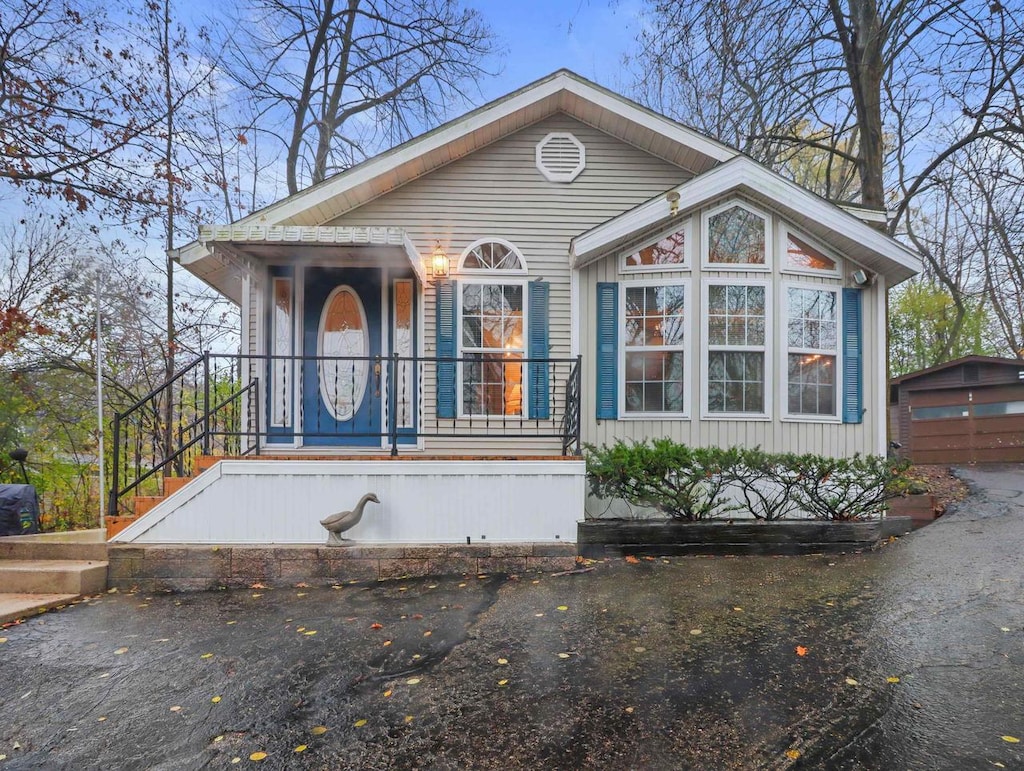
446	349
540	400
853	357
607	350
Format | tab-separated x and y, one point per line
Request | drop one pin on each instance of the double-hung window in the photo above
812	350
654	335
737	334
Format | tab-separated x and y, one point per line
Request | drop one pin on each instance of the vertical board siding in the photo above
776	434
420	502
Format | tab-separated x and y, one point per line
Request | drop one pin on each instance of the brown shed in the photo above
966	411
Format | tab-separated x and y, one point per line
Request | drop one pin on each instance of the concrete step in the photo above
15	606
53	576
74	545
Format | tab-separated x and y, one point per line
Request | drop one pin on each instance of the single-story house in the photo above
970	410
445	324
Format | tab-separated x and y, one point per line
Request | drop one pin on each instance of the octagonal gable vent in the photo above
561	157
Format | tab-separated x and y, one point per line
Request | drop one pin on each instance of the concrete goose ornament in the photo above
336	524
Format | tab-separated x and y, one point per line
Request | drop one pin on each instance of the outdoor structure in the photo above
448	322
970	410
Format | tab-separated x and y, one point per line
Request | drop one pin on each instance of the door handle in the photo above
376	376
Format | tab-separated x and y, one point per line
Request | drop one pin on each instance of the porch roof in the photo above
231	249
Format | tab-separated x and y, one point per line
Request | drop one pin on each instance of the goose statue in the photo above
337	524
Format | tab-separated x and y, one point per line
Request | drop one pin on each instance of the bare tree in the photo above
337	79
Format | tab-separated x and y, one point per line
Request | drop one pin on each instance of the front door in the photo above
341	399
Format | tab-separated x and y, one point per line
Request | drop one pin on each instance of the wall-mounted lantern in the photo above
439	264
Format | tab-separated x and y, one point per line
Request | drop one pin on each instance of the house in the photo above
970	410
447	322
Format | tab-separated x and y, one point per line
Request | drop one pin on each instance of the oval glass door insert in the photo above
344	333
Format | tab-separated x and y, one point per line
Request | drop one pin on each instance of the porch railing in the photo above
240	405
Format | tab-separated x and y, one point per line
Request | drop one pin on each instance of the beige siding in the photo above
498	192
775	434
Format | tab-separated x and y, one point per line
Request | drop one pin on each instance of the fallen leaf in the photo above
105	674
632	560
301	629
360	723
538	615
649	559
408	719
236	760
503	661
793	754
387	694
309	633
417	616
215	699
640	649
738	609
256	757
387	643
412	681
101	718
461	585
300	594
3	640
301	748
1011	739
175	709
830	604
229	623
801	650
503	682
218	738
629	710
416	656
892	679
256	595
432	586
851	681
1004	629
375	625
206	656
696	632
258	585
119	651
427	633
562	607
563	655
319	730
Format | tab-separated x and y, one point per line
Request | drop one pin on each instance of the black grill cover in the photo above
19	510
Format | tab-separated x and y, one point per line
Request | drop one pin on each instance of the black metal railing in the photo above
239	405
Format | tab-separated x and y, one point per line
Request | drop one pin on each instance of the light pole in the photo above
99	396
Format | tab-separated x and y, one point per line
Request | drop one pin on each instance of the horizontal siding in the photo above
775	434
498	192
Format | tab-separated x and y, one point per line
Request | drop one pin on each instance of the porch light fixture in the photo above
439	265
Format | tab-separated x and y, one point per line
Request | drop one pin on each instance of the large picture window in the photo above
654	345
812	344
492	316
737	334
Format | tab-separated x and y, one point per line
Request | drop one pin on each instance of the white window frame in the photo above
786	350
686	228
705	240
490	278
782	248
767	349
462	270
686	349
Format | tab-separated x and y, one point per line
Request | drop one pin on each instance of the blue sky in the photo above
586	36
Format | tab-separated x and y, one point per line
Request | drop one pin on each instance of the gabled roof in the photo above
821	218
561	92
994	360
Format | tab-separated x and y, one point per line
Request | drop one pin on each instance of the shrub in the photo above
694	483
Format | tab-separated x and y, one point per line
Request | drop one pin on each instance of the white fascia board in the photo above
415	259
193	252
741	172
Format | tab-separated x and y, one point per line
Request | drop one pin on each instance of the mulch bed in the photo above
941	483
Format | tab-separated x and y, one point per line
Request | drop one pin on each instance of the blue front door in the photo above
341	391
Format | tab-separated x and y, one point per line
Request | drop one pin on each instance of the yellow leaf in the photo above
1011	739
432	586
236	760
229	623
360	723
387	643
563	655
539	615
101	718
301	748
892	679
408	718
503	682
175	709
105	674
696	632
851	681
640	649
792	754
215	699
119	651
3	640
738	609
319	730
300	594
256	595
562	607
310	632
257	756
387	694
427	633
301	629
629	710
412	681
206	656
218	738
461	585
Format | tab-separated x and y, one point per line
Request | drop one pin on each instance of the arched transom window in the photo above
492	255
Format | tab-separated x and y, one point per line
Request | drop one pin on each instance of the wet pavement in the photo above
723	663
